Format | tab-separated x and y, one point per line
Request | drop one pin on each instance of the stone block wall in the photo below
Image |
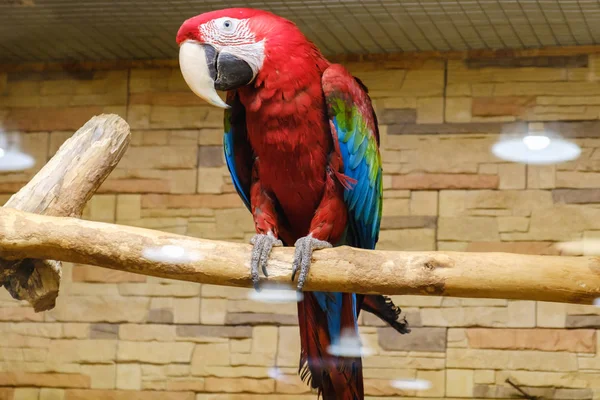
116	335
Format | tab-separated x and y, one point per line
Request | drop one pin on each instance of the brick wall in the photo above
119	336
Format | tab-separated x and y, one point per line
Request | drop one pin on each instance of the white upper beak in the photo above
194	68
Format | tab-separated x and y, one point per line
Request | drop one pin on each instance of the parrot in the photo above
301	143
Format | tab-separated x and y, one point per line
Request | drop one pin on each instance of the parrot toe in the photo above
303	255
263	244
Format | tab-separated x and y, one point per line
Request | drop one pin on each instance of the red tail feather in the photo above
336	378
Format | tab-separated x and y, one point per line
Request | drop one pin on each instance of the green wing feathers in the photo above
354	128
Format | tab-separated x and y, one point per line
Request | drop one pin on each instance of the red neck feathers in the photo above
291	73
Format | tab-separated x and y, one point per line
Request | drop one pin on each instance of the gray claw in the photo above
303	255
263	244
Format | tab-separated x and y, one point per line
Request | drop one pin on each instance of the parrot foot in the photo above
303	255
263	244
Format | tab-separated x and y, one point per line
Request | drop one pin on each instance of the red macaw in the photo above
302	146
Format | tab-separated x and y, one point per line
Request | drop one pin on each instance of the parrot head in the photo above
227	49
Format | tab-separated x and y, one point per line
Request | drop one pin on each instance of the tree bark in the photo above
62	188
346	269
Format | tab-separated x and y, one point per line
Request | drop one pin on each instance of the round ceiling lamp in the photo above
14	160
11	158
536	148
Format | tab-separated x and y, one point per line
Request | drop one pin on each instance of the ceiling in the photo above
77	30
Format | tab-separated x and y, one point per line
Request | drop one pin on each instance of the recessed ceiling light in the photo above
411	384
536	148
14	160
171	254
536	142
271	292
349	345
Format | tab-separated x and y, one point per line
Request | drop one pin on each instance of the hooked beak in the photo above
206	71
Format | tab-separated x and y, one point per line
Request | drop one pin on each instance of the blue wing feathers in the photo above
362	193
368	207
375	222
363	199
358	156
236	147
362	203
230	160
350	137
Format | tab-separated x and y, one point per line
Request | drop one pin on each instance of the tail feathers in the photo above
314	341
344	385
335	378
384	308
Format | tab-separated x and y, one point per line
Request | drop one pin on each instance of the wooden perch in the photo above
28	243
490	275
62	188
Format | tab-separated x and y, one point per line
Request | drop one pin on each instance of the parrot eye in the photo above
227	25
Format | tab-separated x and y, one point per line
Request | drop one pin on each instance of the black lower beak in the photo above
228	71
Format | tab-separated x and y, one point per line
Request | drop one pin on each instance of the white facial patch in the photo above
227	32
233	36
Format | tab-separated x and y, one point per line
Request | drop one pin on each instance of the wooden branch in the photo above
62	188
489	275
